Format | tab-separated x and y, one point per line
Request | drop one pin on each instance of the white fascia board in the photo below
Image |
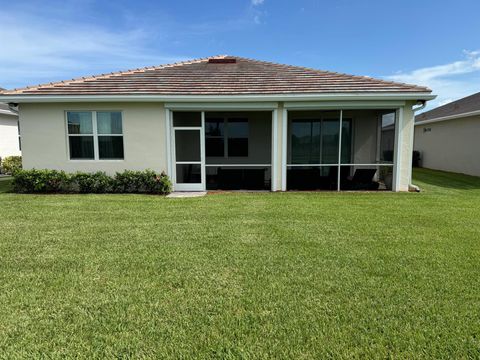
305	105
445	118
216	98
213	106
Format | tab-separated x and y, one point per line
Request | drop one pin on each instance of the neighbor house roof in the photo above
466	106
219	75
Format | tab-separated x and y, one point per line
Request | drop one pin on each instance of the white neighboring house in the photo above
448	137
9	132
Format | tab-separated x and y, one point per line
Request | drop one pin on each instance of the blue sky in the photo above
433	43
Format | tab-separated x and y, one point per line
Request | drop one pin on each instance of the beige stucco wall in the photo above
452	145
9	144
365	133
44	137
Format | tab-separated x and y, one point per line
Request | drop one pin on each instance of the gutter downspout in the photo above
422	103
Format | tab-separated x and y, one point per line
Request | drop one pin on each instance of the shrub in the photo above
41	181
157	184
128	181
98	182
146	181
11	164
53	181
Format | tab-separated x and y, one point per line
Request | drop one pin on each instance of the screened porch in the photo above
340	150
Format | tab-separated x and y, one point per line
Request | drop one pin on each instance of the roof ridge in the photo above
113	73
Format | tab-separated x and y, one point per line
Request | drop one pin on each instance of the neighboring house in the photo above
9	133
448	137
226	122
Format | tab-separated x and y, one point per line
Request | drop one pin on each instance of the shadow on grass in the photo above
446	179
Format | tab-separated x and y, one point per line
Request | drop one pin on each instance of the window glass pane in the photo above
81	147
79	122
110	147
237	128
305	141
238	137
330	132
189	173
214	127
109	122
214	147
187	145
187	118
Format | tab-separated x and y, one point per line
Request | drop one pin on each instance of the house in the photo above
226	122
448	136
9	132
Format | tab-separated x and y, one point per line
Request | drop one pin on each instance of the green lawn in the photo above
293	275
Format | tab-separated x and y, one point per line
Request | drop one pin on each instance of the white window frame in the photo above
95	135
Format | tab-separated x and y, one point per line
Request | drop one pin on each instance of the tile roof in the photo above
219	75
464	105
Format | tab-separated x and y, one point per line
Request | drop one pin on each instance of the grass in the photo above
291	275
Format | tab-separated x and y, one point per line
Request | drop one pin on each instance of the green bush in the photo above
53	181
146	181
41	181
98	182
11	164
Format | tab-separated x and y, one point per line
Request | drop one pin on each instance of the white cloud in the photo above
37	50
257	2
450	81
44	44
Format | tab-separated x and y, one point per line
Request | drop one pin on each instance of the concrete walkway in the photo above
186	194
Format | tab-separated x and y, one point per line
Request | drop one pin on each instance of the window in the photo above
215	137
95	135
226	137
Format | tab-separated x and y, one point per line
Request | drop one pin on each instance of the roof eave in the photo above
449	117
23	98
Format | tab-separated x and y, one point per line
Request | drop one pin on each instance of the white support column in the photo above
274	160
397	161
412	143
339	150
202	152
168	134
284	148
